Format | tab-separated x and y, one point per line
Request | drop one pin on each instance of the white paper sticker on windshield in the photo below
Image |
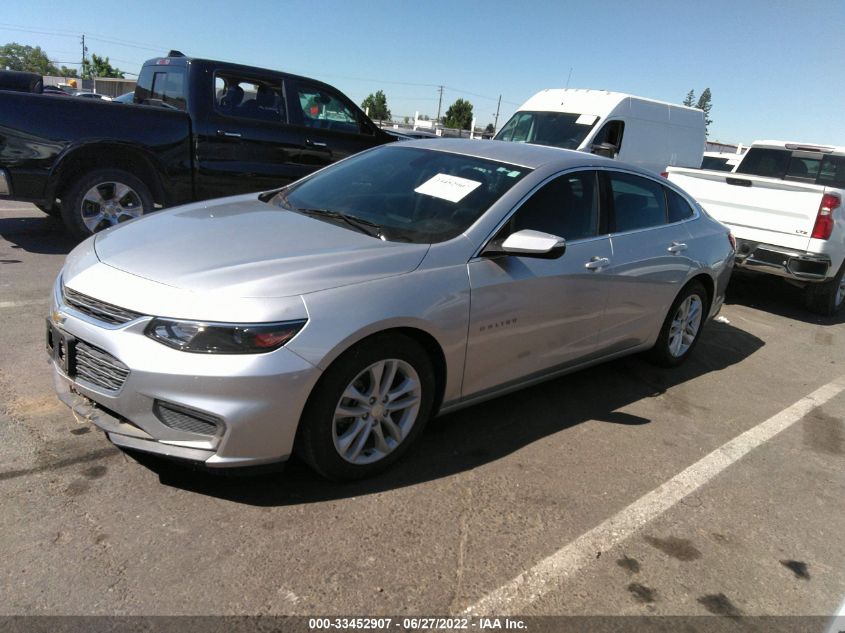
586	119
451	188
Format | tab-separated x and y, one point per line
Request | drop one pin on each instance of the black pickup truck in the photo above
197	129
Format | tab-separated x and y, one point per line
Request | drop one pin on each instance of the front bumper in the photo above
782	262
236	410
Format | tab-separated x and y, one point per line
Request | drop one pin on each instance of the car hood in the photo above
247	248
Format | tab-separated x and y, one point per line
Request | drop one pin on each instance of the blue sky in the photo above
774	67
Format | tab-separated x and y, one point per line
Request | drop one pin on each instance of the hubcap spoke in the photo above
345	441
685	326
392	429
120	191
93	221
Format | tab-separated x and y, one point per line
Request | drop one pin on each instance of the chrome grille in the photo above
184	419
98	367
98	309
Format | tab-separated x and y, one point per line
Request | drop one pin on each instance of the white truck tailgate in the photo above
767	210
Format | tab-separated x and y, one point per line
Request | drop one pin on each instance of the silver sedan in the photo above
334	317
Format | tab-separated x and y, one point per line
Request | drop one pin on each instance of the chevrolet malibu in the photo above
334	317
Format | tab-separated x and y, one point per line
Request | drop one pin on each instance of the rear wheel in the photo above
368	408
826	298
681	328
104	198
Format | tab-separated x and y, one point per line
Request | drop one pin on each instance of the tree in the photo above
459	115
99	67
704	104
64	71
690	100
377	104
16	56
489	129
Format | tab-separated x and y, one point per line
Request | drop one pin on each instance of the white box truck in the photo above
644	132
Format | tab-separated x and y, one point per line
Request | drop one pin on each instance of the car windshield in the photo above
404	194
558	129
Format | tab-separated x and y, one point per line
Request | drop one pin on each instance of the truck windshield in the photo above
558	129
403	194
162	85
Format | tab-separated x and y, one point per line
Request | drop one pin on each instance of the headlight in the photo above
223	338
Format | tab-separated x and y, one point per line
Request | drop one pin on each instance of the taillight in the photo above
732	240
665	174
824	220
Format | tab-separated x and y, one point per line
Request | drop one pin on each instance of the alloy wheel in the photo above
685	325
109	203
376	411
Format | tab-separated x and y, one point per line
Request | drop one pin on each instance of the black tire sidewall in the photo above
660	353
821	297
315	443
71	204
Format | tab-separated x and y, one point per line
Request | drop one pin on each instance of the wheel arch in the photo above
88	157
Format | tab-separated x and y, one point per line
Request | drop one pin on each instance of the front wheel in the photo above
104	198
681	328
368	408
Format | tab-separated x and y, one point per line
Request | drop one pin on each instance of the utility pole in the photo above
84	50
439	101
496	120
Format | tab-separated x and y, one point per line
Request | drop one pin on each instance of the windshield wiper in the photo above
364	226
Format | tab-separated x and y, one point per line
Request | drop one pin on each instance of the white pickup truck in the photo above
783	204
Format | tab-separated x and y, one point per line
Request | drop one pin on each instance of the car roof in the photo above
522	154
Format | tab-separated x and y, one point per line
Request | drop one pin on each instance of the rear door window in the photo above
832	172
638	202
259	98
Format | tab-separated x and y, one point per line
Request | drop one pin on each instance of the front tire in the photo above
368	408
826	298
103	198
681	328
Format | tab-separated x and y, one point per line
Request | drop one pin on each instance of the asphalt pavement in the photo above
716	488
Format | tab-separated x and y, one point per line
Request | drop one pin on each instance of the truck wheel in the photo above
103	198
826	298
681	328
368	408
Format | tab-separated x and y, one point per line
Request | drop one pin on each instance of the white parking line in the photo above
30	302
534	583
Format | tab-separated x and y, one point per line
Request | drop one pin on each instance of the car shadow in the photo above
776	296
477	435
45	235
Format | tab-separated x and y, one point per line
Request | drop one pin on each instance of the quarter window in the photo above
567	207
679	209
638	203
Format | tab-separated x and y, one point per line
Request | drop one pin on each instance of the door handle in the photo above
597	262
677	247
228	134
317	144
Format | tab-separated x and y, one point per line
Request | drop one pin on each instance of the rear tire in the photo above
826	298
386	386
103	198
681	328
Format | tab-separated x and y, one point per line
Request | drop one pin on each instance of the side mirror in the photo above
529	243
608	150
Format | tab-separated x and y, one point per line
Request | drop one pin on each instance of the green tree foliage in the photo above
459	115
99	67
377	104
489	129
690	100
16	56
704	104
64	71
